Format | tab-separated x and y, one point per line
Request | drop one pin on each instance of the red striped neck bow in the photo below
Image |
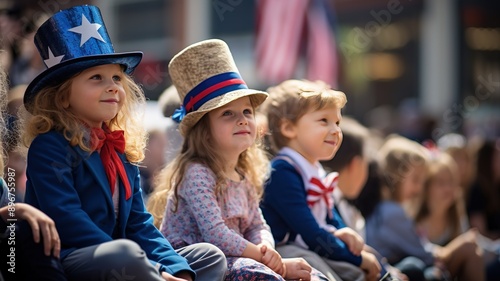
111	143
322	189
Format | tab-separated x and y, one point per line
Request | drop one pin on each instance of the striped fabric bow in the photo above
322	189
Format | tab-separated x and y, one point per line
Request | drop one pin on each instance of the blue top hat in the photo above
71	41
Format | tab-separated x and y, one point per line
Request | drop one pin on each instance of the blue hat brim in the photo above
67	69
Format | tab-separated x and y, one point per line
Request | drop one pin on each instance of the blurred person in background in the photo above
390	228
15	159
169	101
10	32
456	146
483	205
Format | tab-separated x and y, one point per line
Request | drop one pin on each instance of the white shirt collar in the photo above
309	170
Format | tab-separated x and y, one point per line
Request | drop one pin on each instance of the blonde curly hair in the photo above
48	113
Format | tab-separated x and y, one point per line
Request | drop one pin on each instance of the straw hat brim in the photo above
67	69
256	98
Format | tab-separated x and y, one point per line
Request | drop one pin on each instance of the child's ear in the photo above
288	129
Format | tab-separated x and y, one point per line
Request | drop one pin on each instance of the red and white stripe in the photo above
322	60
322	189
280	26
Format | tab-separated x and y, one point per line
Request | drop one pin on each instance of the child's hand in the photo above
371	266
169	277
40	222
297	269
353	240
271	258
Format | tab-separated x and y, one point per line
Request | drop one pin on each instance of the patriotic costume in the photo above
291	213
93	195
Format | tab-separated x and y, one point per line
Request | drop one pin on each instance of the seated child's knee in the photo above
124	250
214	252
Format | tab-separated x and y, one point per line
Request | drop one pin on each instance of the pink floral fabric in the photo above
228	222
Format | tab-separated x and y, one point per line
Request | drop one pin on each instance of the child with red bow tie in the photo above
304	118
85	139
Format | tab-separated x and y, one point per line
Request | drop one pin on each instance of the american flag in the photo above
287	29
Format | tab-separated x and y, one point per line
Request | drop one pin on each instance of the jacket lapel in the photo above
125	205
94	164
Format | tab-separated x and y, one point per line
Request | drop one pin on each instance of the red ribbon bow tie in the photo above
322	189
110	143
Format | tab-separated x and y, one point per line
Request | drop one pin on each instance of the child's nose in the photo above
336	129
242	120
112	87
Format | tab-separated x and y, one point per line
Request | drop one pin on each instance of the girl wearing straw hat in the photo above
85	136
212	188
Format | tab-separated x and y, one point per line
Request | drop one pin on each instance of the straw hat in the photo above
207	78
71	41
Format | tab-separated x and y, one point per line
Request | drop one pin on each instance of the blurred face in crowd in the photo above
412	183
359	168
443	190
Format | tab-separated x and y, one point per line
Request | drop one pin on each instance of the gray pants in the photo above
124	260
334	270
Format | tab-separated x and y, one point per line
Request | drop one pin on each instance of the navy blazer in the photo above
71	187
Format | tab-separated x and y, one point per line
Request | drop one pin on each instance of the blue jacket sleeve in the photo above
140	228
286	211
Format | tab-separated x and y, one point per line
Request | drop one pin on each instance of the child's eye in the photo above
226	113
324	120
96	77
117	78
248	111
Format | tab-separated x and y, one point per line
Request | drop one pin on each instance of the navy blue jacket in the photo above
70	186
285	209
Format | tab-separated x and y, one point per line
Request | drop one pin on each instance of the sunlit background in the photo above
420	68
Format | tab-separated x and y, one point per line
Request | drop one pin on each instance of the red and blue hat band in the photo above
213	87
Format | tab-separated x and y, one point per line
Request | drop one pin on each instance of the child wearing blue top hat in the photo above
85	138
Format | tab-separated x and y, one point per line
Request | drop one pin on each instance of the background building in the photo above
417	67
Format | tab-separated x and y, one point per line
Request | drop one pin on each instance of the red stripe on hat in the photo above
210	90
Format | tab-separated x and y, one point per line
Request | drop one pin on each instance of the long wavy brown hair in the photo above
437	164
197	148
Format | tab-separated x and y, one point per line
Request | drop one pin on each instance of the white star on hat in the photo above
51	61
87	30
